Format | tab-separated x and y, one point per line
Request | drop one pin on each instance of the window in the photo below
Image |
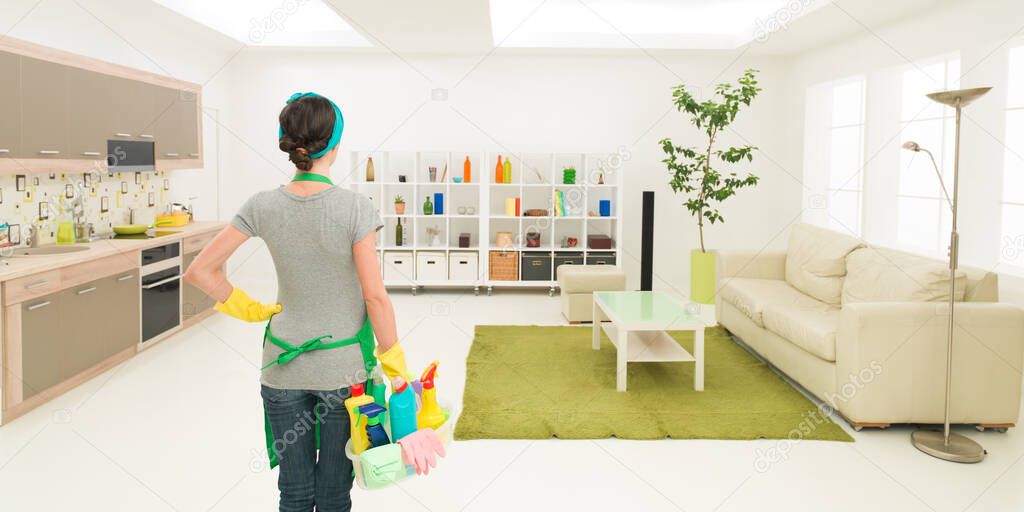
1012	236
923	217
846	156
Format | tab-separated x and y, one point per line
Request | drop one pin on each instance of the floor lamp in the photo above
946	445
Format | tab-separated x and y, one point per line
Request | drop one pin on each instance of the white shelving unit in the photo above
536	177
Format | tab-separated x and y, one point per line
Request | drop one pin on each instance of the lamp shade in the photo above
966	96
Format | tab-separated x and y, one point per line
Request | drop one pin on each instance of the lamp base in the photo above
959	449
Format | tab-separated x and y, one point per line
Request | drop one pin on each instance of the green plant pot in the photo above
702	277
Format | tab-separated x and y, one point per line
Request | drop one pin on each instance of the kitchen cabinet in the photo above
10	105
193	300
67	332
83	323
42	353
44	107
89	121
58	111
123	303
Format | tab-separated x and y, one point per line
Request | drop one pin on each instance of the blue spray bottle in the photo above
402	408
374	431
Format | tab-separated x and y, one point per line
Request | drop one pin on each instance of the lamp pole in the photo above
947	445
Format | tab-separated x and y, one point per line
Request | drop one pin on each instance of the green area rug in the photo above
528	382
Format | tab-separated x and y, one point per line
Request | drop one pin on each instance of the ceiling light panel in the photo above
272	22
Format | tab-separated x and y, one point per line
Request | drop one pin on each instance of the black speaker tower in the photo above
647	243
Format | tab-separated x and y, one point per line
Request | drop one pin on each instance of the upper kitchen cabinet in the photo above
60	109
44	109
10	105
89	120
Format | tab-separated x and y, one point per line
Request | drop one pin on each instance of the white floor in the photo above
180	428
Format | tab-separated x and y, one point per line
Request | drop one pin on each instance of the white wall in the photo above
981	31
525	103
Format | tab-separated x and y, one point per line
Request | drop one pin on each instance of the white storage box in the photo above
464	266
398	267
431	266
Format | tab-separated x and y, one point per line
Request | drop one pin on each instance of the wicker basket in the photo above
503	265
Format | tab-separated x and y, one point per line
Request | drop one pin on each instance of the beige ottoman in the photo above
578	283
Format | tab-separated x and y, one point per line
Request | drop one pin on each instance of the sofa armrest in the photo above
891	362
752	264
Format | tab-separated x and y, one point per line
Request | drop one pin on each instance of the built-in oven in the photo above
161	290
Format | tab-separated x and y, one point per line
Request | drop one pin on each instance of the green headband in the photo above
339	124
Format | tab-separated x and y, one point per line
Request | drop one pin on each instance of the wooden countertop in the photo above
19	266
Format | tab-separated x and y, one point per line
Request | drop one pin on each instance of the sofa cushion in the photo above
816	261
808	324
876	274
751	296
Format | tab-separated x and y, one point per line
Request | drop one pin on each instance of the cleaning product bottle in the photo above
430	415
377	376
352	404
499	171
374	431
466	170
402	408
508	171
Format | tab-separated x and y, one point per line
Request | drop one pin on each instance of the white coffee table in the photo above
637	325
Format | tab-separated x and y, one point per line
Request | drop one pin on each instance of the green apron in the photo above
364	338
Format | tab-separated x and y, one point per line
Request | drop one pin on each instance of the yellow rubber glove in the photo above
243	307
393	363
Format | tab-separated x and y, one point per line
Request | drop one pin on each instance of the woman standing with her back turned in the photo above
323	242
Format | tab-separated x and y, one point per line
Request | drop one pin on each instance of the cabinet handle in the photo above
35	284
4	151
120	134
194	155
171	155
86	290
162	281
43	304
90	153
126	277
145	136
49	152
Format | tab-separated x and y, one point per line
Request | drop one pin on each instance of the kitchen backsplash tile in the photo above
107	199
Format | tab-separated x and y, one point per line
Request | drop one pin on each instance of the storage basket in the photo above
503	265
446	433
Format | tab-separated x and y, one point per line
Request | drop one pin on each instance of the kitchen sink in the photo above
49	249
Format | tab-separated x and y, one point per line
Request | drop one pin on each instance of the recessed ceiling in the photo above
272	22
654	24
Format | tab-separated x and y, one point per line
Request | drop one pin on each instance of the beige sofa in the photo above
577	284
864	329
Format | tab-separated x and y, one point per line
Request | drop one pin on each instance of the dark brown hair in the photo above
306	127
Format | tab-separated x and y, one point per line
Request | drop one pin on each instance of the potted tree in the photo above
399	204
700	172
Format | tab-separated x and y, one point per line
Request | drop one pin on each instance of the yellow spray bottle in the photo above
430	415
360	441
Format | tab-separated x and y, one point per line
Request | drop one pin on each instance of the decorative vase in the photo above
467	170
499	171
400	208
702	276
428	207
369	169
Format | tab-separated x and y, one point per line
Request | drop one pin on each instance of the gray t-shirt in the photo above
310	239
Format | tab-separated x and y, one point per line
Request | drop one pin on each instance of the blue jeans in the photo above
306	479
